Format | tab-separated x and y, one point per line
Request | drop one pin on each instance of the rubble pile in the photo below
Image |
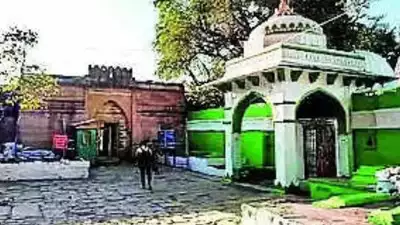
388	181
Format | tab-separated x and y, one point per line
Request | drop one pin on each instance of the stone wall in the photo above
154	109
146	106
37	127
44	171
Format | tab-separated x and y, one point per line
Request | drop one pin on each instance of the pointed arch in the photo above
111	112
242	104
321	103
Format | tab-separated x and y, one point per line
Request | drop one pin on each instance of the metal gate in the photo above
319	147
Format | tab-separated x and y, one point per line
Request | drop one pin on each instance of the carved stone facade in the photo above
112	95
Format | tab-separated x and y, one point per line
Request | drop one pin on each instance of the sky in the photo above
76	33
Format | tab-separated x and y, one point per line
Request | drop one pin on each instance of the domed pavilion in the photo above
287	64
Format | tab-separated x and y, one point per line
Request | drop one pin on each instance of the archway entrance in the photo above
321	119
113	136
253	145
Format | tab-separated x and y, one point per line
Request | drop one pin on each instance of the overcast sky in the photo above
75	33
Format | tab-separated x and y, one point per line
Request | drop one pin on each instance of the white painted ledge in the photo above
218	125
200	165
377	119
44	171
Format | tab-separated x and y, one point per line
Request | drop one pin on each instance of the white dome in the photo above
290	28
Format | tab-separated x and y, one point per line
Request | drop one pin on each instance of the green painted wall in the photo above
258	111
210	144
385	151
389	99
208	114
257	148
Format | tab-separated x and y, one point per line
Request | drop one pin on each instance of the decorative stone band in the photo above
275	55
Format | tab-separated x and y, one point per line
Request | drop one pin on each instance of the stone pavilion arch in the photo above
321	118
293	68
239	108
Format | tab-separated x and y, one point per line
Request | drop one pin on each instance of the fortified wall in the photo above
144	106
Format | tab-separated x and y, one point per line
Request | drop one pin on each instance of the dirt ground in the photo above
316	216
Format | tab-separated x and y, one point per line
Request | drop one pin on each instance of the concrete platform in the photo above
44	170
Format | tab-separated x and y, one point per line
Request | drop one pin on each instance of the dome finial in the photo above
284	8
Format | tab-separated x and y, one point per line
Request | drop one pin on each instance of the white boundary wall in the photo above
200	165
44	170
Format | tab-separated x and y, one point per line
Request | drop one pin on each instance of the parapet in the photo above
110	76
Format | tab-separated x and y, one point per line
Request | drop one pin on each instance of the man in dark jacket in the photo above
145	160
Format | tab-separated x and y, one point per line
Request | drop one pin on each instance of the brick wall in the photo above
145	107
154	109
37	127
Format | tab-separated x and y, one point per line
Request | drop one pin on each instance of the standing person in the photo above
145	159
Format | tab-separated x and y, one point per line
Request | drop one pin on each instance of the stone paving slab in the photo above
26	210
115	193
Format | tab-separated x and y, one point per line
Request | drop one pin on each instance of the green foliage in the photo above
30	90
14	44
195	38
203	98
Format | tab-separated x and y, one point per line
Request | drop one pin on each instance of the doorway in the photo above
319	145
322	119
110	140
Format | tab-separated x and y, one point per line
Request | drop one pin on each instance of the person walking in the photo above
145	159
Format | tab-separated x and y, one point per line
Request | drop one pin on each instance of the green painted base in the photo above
352	200
385	217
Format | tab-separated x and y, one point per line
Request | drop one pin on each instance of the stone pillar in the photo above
237	154
346	158
228	134
287	155
343	156
187	140
228	150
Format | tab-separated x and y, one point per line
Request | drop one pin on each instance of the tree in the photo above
196	37
29	91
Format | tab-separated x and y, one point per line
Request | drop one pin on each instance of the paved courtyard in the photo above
115	193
